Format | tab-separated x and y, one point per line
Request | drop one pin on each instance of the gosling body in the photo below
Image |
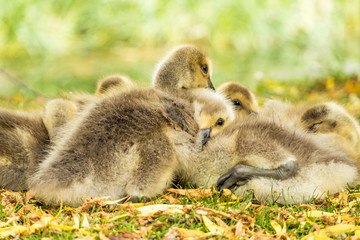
23	142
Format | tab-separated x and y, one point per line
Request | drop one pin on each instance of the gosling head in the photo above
56	113
242	98
113	84
213	113
185	67
331	118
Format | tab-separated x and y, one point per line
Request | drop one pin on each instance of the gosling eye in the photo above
220	122
204	68
237	103
314	127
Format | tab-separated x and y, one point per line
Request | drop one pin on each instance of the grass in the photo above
201	213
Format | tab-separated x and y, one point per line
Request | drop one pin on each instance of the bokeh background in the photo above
294	50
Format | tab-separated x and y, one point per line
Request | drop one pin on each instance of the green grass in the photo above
95	219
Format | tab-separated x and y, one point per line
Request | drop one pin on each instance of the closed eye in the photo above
314	127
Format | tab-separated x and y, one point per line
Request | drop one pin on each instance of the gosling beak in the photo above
205	134
211	86
253	113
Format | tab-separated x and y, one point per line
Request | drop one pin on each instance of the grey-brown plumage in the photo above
185	67
331	123
23	141
262	143
113	84
117	148
57	113
136	143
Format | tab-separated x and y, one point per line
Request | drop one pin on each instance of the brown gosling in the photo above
185	67
113	84
23	142
243	99
329	121
57	113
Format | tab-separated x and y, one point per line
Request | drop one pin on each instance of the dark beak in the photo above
253	113
205	134
211	85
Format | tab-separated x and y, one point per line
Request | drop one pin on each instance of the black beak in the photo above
253	113
211	85
205	134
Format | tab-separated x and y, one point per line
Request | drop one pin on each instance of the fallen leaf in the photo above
239	230
76	220
229	193
132	205
188	233
171	199
11	231
194	193
164	208
350	206
354	195
102	236
212	227
85	224
118	217
171	234
318	214
221	223
215	212
332	230
277	227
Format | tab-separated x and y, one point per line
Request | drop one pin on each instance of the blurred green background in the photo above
56	46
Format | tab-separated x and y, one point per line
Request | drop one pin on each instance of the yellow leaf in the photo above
212	227
332	230
228	203
357	233
167	209
46	220
318	214
340	228
85	223
354	195
10	231
194	193
36	226
228	193
3	224
276	226
351	205
187	233
135	205
76	219
68	228
61	227
118	217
